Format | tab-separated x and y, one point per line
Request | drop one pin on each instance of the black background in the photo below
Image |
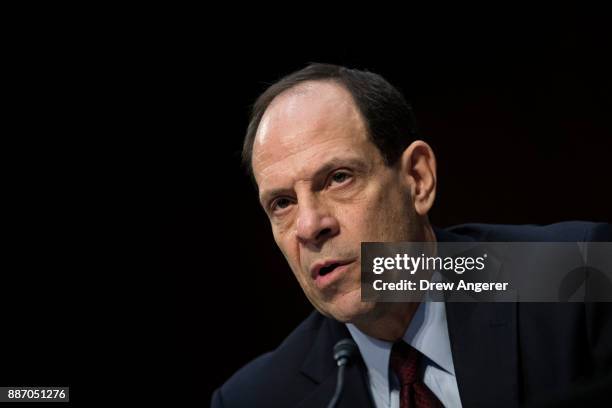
127	132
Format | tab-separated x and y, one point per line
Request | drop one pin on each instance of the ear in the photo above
418	169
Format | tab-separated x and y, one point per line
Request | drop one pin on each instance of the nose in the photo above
315	224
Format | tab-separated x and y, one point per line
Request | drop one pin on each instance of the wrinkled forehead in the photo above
303	121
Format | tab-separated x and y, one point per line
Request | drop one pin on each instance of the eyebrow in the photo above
336	162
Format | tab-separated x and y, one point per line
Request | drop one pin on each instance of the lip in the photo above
323	280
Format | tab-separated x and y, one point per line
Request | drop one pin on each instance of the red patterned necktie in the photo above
405	363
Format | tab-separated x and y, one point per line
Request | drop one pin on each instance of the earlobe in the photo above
418	166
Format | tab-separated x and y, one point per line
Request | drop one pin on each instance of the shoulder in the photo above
560	327
272	375
563	231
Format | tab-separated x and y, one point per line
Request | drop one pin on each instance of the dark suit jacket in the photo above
505	354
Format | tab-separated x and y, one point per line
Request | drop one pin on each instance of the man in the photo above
336	161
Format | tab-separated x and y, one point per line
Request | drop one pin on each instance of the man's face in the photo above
325	188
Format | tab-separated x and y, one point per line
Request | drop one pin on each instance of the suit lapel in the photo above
320	367
484	345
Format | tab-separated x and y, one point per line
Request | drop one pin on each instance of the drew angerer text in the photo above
446	286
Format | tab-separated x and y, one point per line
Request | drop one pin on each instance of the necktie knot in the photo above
413	392
405	362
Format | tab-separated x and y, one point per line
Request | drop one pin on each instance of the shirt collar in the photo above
427	332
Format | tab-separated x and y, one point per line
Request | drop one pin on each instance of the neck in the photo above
389	321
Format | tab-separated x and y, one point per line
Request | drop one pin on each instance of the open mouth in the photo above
329	268
325	272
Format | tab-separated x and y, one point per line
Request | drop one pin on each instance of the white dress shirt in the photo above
428	333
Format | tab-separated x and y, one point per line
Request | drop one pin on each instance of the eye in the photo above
340	177
280	204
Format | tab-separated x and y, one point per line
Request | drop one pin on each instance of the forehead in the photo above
310	123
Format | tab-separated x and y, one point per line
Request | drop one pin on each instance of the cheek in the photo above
381	216
360	220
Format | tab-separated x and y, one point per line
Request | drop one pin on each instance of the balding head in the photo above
386	115
315	108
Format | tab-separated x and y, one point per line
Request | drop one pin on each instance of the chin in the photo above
349	308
